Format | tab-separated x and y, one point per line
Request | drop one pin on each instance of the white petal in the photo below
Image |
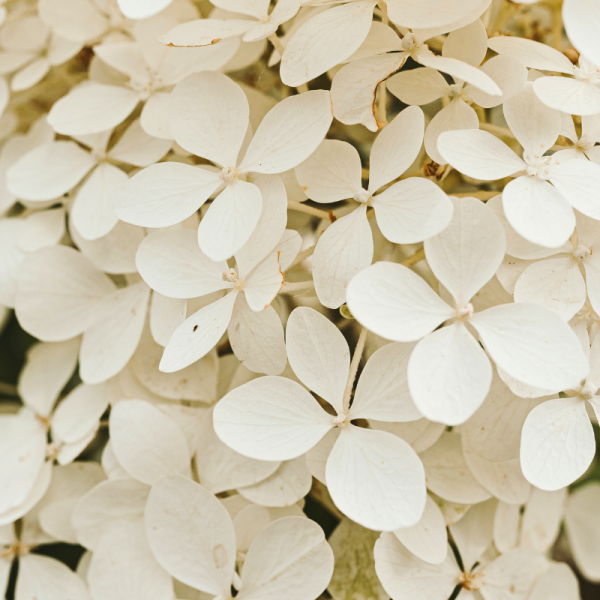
191	535
220	469
463	375
395	303
532	344
419	14
456	116
196	382
198	334
513	573
316	457
79	413
108	345
290	132
448	475
109	501
418	86
124	568
516	245
382	390
479	154
92	212
428	539
48	579
576	181
459	70
535	126
270	228
36	493
558	583
533	55
49	171
48	368
538	211
331	173
510	75
541	522
557	444
257	338
403	575
164	194
581	18
412	210
474	532
91	109
147	443
23	452
503	479
208	116
264	283
396	147
572	96
172	263
290	554
136	9
230	220
325	40
318	354
475	241
494	431
74	20
354	88
60	293
204	32
136	147
467	44
592	279
343	250
582	527
376	479
271	418
556	283
286	486
115	252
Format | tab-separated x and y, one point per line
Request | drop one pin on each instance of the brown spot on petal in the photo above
219	556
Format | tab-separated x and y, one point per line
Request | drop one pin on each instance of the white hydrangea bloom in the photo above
395	303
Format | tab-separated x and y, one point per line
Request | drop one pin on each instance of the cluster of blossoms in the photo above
311	295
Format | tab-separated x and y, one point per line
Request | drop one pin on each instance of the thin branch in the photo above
7	389
309	210
297	286
413	259
276	43
360	346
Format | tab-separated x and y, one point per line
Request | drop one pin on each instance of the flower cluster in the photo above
309	298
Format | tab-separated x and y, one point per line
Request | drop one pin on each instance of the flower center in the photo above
588	391
230	276
582	252
537	166
228	174
363	196
465	312
471	581
591	74
584	144
15	549
409	42
341	421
